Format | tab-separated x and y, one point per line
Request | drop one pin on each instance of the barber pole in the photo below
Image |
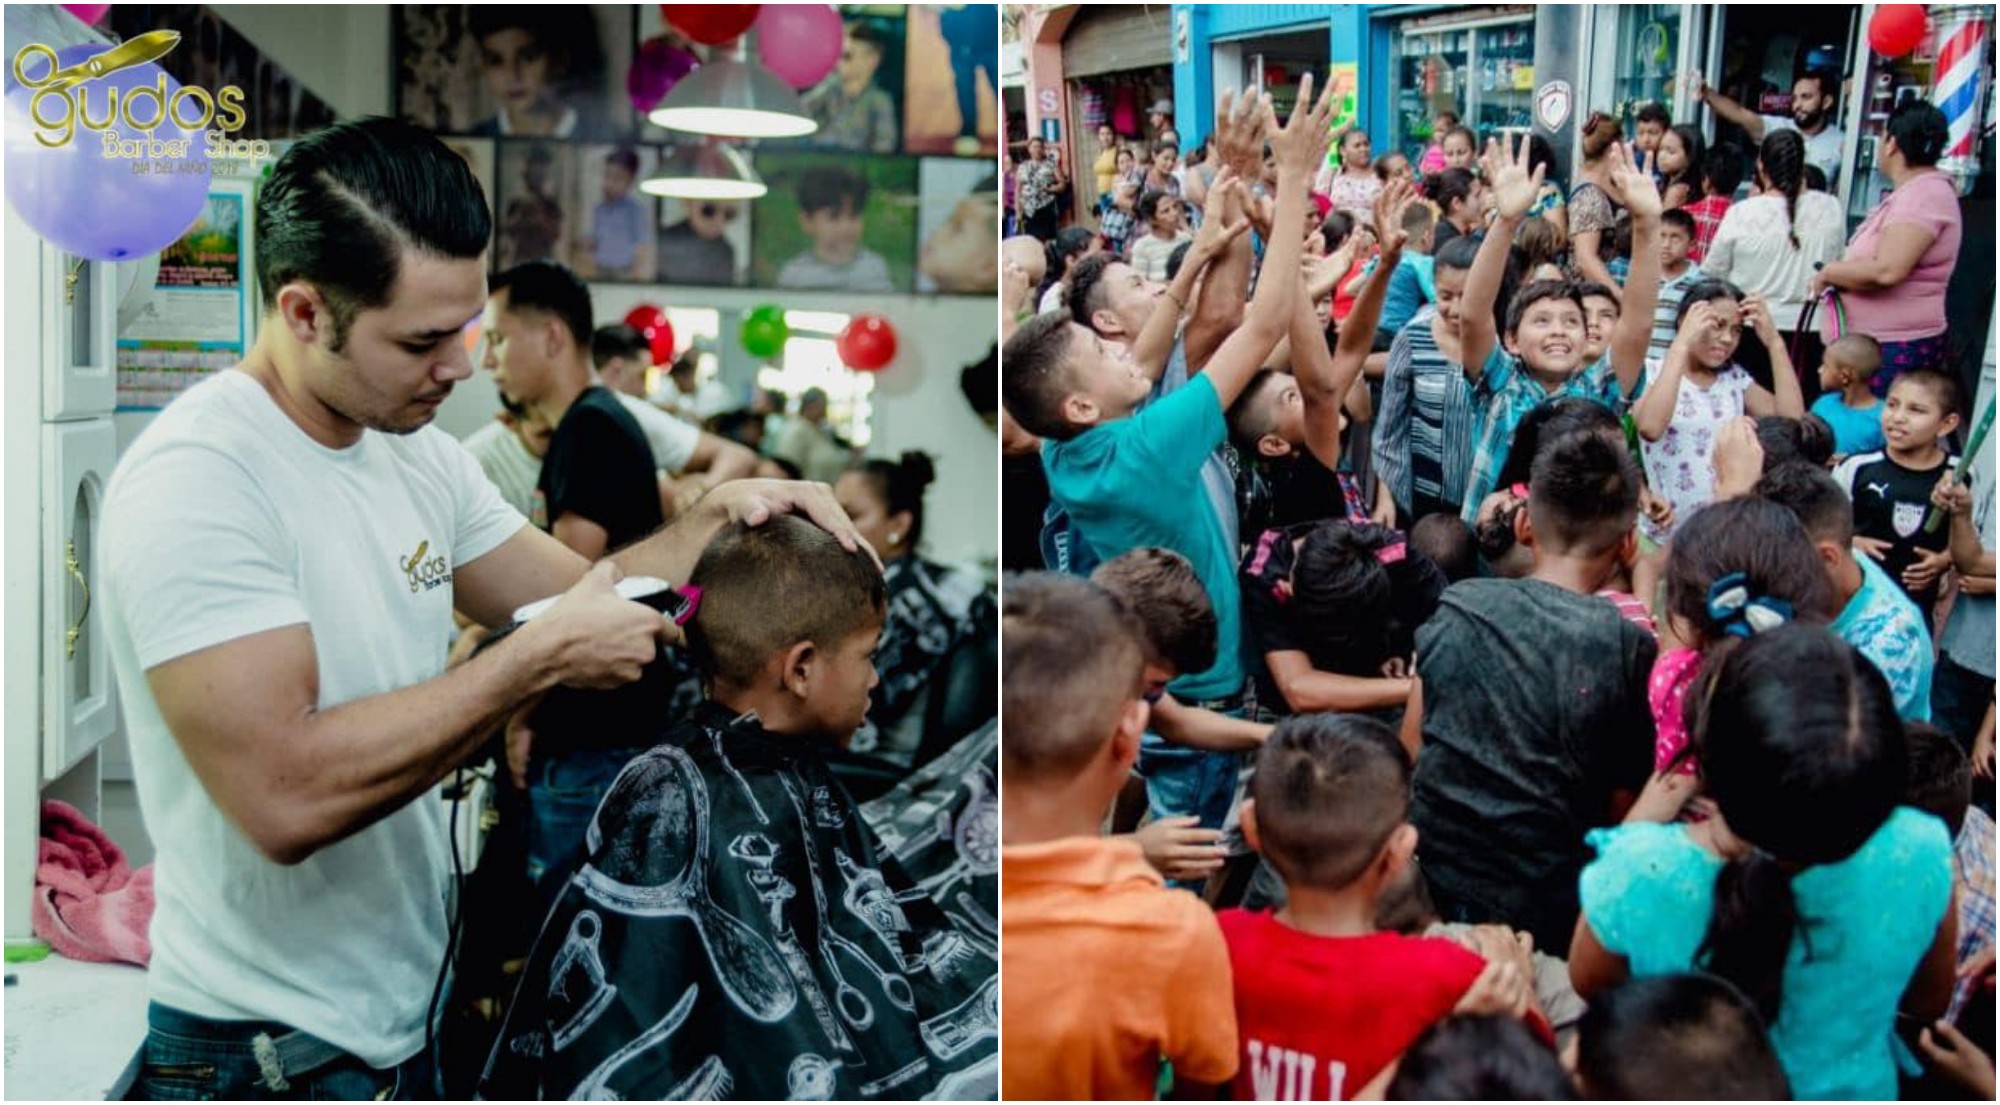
1959	92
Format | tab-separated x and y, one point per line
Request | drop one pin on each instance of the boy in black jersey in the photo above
1891	488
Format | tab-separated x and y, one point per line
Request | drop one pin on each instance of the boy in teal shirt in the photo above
1130	477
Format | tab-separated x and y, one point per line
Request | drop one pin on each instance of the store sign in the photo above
1048	101
1552	105
1183	37
67	100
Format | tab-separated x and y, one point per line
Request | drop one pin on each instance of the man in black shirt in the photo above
598	489
598	492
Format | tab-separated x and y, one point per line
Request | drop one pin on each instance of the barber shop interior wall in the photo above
337	50
938	335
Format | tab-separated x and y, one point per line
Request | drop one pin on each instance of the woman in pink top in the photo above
1353	186
1892	279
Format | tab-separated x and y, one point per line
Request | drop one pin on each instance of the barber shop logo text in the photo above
72	103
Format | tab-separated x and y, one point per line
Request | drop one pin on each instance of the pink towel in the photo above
89	904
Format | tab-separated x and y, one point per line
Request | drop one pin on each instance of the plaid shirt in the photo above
1116	227
1973	852
1707	212
1505	393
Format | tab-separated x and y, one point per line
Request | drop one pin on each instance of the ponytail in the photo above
1750	932
1783	156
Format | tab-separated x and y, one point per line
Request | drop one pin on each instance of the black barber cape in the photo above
942	825
734	932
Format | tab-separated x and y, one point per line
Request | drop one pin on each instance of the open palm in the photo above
1514	186
1630	186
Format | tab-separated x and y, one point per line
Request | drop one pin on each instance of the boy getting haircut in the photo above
1684	1037
1077	908
1326	808
732	891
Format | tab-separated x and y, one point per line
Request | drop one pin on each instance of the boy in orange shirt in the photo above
1078	909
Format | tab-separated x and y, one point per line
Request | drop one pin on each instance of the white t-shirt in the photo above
1752	249
225	520
671	439
1822	149
508	463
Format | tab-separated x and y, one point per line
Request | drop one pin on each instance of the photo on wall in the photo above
478	153
832	223
958	220
704	242
614	238
950	84
859	106
533	217
504	70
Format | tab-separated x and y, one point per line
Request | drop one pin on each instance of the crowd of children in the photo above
1499	685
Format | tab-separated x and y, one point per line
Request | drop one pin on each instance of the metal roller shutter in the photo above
1114	39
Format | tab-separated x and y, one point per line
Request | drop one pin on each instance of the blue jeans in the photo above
564	791
190	1058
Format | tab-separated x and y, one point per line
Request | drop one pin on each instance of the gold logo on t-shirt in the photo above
425	574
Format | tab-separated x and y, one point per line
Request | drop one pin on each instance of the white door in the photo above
80	317
78	704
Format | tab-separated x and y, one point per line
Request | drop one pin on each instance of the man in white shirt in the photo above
281	554
1812	115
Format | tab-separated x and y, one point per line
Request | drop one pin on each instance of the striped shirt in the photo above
1671	291
1425	428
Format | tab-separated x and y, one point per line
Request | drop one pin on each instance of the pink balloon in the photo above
799	42
658	67
89	13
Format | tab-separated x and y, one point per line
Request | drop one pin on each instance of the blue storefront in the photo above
1411	62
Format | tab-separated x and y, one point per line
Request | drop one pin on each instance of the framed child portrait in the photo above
505	70
958	220
951	80
704	242
859	106
833	223
533	210
616	223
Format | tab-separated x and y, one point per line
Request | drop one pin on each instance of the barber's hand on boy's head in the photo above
1301	144
1514	186
1631	186
754	502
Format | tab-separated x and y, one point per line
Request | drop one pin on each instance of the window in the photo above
809	360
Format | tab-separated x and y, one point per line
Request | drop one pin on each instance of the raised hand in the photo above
1390	204
1756	314
1514	186
1630	186
1239	134
1217	230
1301	144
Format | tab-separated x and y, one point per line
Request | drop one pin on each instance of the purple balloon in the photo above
91	205
659	66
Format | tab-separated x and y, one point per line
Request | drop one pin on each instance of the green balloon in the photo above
765	331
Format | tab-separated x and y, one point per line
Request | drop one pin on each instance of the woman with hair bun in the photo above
1831	908
1892	279
935	658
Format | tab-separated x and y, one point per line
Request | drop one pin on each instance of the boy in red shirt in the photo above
1325	1002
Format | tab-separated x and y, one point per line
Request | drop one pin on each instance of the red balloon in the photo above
1896	29
662	339
868	343
710	24
651	321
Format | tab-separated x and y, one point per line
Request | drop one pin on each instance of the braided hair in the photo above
1783	158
